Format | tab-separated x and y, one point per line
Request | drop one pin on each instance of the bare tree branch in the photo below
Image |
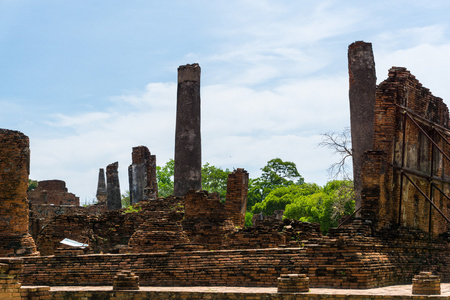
340	143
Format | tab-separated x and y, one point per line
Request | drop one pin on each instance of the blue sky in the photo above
89	80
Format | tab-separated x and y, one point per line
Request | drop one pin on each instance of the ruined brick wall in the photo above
113	200
142	175
101	188
206	220
236	198
42	214
14	171
400	146
52	192
329	262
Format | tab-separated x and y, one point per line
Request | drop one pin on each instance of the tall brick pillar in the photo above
361	70
112	187
101	187
188	148
14	170
142	175
236	199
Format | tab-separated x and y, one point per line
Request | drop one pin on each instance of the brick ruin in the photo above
406	174
188	151
14	171
195	239
113	195
51	199
142	175
101	194
362	85
52	192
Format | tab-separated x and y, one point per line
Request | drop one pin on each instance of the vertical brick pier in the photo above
14	170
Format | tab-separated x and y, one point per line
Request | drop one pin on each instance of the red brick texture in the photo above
14	170
399	144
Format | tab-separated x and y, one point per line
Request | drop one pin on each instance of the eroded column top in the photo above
189	73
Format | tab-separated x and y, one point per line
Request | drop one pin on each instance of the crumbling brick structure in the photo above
406	175
52	192
361	69
236	198
206	220
142	175
188	147
114	200
14	171
101	188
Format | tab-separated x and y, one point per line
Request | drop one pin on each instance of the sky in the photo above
88	80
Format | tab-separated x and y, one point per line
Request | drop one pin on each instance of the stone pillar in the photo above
188	151
361	69
142	175
14	171
101	187
112	187
236	199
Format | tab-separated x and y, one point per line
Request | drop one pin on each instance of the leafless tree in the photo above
340	143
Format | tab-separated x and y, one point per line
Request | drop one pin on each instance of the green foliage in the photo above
282	196
326	206
126	199
133	209
164	176
215	179
248	219
277	173
32	184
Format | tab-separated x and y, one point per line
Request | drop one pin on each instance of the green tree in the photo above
215	179
326	206
277	173
125	199
278	198
32	184
164	176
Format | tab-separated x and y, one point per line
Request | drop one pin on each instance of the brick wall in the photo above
236	198
351	262
52	192
14	171
390	199
42	214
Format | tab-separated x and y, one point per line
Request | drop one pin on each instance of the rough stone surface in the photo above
14	171
188	154
426	284
101	188
52	192
361	69
401	148
142	175
113	187
236	198
293	283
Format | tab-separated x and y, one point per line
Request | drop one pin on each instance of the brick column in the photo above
188	154
236	199
101	187
361	69
113	188
142	175
14	171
